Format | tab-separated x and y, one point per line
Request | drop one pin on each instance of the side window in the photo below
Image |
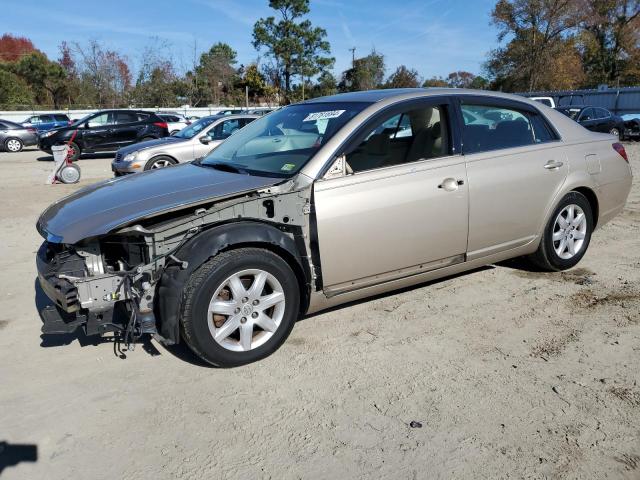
225	129
126	117
492	128
99	120
143	117
542	132
587	114
46	118
61	118
410	136
602	113
34	120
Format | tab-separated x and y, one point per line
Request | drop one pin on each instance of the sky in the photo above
435	37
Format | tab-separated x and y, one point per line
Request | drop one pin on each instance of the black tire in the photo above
615	131
74	152
546	257
173	132
204	282
160	158
13	145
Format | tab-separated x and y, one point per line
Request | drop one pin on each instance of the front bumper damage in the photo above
84	296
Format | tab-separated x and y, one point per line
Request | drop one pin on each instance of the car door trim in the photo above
385	277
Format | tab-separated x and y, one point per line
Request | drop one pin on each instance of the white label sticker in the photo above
312	117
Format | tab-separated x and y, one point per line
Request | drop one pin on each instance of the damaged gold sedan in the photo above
321	203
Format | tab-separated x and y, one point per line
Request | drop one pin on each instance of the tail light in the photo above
161	124
31	130
618	147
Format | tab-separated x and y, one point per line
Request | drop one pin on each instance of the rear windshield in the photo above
281	143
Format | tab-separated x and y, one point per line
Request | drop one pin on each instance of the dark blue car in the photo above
43	122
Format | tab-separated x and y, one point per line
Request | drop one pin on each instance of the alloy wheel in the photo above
14	145
569	231
246	310
160	164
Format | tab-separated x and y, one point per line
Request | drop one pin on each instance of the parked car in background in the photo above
631	125
105	131
44	122
13	136
231	111
320	204
596	119
175	121
193	142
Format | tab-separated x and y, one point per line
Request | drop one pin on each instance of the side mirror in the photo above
205	140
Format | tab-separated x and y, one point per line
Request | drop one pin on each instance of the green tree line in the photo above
542	45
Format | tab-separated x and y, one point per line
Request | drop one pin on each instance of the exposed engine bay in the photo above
111	283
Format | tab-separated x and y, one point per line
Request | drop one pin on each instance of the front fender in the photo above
206	245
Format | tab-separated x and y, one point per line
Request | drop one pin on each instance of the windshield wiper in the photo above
225	167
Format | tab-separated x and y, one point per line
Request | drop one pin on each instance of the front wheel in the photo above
74	152
161	161
239	306
615	132
567	234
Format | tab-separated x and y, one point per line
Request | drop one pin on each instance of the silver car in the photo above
13	136
190	143
321	203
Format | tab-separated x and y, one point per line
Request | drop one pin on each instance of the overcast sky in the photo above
433	36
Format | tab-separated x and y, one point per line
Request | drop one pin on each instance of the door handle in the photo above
553	165
450	184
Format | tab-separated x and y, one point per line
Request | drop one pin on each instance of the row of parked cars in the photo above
103	131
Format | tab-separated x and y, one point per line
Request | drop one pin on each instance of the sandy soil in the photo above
511	374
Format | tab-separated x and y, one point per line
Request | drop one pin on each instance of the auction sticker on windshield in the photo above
312	117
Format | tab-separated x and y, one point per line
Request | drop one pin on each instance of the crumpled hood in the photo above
103	207
136	147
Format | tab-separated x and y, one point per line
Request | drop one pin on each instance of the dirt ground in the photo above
511	374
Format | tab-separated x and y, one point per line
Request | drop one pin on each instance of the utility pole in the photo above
246	96
353	56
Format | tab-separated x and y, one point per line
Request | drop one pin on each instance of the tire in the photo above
69	174
547	256
173	132
615	132
74	152
161	161
13	145
199	324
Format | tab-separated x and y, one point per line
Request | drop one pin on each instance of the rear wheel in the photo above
161	161
13	145
567	234
239	307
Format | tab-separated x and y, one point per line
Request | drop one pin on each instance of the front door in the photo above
516	165
97	134
401	208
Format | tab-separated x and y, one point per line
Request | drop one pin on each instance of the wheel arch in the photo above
217	239
593	202
174	159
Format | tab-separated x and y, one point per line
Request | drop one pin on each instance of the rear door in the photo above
126	128
402	207
515	165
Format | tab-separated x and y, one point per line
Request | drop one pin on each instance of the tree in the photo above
460	79
47	79
14	48
14	92
403	77
610	42
435	82
296	46
479	83
326	85
367	73
538	31
217	69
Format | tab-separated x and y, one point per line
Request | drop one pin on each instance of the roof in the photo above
374	96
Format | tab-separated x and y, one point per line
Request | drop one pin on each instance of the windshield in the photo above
281	143
195	128
572	113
